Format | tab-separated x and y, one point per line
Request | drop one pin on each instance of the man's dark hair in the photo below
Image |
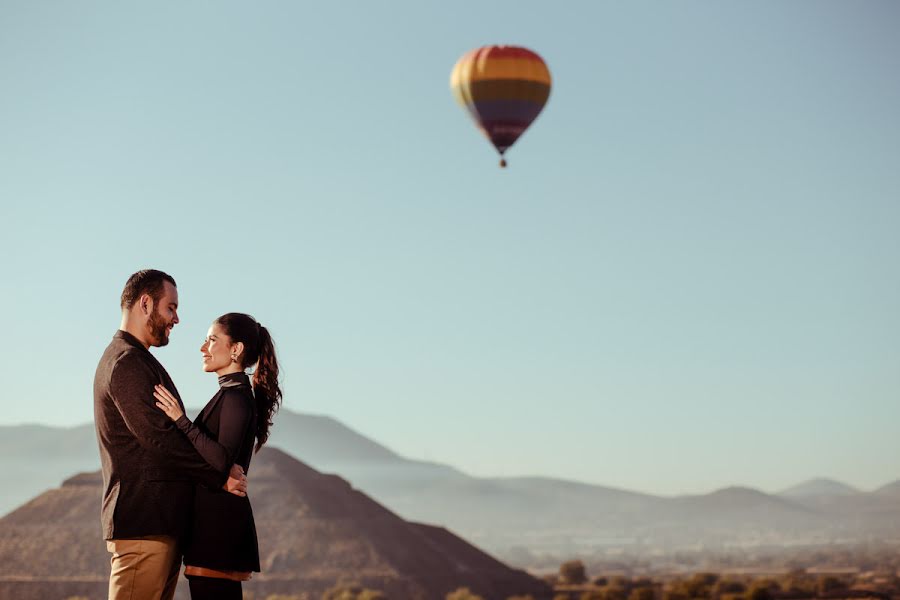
147	281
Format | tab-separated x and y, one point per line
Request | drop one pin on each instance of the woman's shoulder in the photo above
237	399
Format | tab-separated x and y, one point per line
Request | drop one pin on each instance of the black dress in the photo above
223	534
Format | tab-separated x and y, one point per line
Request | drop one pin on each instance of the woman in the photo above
222	549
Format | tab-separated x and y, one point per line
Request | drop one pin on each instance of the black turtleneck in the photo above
236	415
233	380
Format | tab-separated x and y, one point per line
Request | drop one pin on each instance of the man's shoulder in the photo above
113	354
118	347
130	361
122	366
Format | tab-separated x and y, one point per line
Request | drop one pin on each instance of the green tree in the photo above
352	591
621	582
759	591
700	585
830	584
642	593
799	584
572	572
729	586
615	592
463	593
675	592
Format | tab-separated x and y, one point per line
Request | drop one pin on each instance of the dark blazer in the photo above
149	467
223	533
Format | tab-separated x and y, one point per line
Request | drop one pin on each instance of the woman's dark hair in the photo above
259	350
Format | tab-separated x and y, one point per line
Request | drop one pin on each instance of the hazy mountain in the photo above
541	514
314	530
819	487
322	438
330	445
34	441
35	458
739	500
891	489
38	457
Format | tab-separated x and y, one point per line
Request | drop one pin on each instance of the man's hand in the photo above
237	481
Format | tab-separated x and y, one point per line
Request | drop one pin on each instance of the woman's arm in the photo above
234	418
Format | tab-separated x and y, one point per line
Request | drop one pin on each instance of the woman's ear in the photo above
237	349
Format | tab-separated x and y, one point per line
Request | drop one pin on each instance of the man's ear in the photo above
145	302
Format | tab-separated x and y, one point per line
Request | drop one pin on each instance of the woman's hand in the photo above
167	402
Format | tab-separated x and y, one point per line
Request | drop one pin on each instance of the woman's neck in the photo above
231	368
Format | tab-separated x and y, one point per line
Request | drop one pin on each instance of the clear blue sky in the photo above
687	278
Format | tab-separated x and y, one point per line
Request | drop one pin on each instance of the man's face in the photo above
164	315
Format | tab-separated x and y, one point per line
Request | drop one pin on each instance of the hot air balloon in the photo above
504	89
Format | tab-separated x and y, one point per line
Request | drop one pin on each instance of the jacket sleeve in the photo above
234	419
131	388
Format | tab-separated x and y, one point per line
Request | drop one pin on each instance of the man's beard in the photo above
158	328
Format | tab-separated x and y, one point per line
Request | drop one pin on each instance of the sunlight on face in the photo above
216	349
164	316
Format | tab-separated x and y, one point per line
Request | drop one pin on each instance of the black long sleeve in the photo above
131	389
234	420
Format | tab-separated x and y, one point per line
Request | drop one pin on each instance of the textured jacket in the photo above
149	467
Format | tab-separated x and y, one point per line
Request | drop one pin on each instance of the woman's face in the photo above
216	350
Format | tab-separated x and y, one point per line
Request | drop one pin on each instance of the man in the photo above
149	466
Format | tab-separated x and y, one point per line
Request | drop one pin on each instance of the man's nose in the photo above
176	320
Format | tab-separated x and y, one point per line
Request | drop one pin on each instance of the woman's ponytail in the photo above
265	387
259	350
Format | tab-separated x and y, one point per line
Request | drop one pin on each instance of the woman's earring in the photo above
233	358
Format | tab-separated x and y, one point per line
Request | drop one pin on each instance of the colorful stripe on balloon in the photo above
504	88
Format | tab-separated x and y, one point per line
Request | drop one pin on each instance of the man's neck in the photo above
135	329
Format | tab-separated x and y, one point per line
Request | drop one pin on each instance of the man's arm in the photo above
131	388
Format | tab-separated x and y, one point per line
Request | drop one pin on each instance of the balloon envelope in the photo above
504	88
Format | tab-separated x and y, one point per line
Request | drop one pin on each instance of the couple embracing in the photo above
174	489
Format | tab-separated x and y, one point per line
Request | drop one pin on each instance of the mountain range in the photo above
506	515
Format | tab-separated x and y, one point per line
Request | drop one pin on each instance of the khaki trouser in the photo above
144	568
